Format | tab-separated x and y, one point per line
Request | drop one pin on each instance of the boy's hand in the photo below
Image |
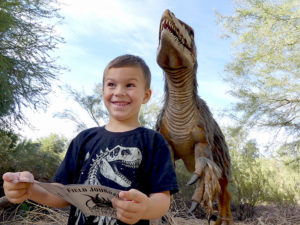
17	185
132	206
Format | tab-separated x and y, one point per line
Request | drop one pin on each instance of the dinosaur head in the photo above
176	48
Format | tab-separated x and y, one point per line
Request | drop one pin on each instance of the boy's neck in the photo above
120	126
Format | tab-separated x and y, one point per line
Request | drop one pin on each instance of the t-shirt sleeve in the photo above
163	176
66	172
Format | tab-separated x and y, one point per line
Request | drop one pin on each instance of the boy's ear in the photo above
147	96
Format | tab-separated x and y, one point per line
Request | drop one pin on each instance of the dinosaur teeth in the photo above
123	178
177	34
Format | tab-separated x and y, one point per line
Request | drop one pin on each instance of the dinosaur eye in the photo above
191	33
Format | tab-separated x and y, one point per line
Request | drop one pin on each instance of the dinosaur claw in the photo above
213	218
194	205
193	179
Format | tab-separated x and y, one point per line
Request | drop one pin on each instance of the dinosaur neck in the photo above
181	85
180	107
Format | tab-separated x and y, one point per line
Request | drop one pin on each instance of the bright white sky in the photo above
97	31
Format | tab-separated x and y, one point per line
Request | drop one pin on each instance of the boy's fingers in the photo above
26	177
18	177
17	193
133	195
124	205
11	177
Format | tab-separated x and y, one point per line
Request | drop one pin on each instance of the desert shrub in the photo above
37	157
183	176
283	182
256	179
29	156
261	181
8	141
249	181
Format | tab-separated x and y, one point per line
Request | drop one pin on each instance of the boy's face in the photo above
124	92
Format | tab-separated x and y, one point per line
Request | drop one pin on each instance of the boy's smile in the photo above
124	92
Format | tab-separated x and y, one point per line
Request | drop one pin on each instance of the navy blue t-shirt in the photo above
138	159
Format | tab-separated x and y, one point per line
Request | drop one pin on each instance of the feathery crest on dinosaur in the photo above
187	123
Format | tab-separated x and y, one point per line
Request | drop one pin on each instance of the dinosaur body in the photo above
187	123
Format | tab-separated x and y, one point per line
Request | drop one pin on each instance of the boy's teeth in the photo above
121	103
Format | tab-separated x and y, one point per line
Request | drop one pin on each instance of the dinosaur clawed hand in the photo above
208	187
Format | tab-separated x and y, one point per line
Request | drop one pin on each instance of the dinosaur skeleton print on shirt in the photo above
109	164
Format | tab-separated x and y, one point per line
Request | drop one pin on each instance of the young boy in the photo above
121	155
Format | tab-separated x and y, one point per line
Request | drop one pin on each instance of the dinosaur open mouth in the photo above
166	24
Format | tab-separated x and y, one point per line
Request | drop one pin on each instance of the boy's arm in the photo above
135	205
20	186
42	196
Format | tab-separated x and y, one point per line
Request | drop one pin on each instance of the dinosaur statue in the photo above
186	122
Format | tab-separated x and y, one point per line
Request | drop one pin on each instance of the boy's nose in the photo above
119	91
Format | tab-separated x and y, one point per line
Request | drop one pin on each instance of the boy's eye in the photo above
130	85
110	84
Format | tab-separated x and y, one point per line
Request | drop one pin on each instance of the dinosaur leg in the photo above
225	217
208	174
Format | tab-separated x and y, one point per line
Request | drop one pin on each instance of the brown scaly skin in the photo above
186	122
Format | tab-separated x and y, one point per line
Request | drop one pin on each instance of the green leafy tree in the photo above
8	142
41	157
248	180
27	38
265	69
149	112
256	179
53	144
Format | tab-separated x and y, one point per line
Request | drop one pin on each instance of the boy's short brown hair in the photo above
130	60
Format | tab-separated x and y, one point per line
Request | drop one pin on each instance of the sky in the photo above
96	31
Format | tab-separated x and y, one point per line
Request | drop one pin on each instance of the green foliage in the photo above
8	142
283	182
249	182
53	144
257	179
183	176
290	155
27	37
265	70
39	157
149	112
248	179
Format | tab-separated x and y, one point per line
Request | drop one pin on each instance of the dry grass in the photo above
37	215
263	215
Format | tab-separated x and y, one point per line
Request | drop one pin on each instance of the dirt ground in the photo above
263	215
